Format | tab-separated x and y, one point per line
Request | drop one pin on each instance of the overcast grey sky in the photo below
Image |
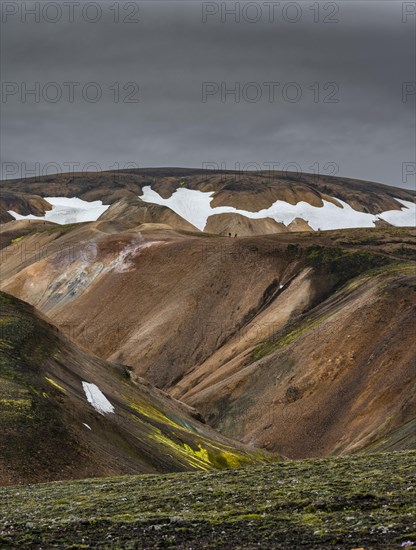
334	101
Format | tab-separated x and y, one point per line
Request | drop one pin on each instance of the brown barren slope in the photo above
260	333
239	225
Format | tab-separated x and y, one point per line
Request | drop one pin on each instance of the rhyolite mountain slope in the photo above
217	202
298	343
65	414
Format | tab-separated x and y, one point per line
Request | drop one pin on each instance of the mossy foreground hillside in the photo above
68	415
355	502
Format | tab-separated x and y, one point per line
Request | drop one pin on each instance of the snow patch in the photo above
195	207
68	210
86	425
404	217
97	399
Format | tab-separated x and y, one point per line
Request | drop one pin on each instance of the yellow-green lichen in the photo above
17	239
54	383
152	413
272	344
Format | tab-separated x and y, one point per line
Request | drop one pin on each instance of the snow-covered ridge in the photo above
68	210
97	399
195	207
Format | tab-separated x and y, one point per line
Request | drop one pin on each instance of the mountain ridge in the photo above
247	193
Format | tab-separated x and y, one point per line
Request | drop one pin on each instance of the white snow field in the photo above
195	207
97	399
404	217
68	210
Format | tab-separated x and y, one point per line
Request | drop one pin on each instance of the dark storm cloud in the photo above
170	52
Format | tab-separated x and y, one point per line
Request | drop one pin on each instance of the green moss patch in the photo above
343	265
